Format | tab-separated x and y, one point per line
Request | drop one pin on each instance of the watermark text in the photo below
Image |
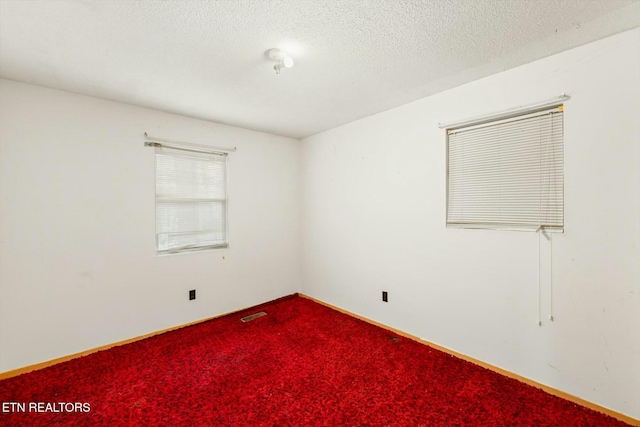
46	407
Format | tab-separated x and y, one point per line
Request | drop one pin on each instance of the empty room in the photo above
319	213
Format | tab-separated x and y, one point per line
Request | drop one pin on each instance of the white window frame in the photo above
552	208
169	148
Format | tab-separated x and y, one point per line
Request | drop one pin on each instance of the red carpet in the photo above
303	365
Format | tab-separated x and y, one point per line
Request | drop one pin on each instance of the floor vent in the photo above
253	316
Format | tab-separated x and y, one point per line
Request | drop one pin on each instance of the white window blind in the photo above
191	200
507	173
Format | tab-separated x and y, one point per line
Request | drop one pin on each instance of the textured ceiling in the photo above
354	58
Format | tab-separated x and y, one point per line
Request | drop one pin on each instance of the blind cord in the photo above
553	156
539	230
547	236
550	278
539	280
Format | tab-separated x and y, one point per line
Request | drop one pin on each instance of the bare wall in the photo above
374	194
77	225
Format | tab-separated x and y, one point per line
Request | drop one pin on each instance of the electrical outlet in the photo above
385	296
192	294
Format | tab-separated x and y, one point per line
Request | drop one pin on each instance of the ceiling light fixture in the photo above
281	58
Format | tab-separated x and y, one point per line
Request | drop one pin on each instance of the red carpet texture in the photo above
302	364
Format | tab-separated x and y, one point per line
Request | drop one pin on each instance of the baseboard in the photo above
555	392
42	365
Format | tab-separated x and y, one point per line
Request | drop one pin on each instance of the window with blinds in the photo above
191	200
507	174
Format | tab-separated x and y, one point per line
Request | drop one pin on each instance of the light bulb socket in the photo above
281	58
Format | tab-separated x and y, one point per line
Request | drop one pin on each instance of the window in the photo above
507	173
191	200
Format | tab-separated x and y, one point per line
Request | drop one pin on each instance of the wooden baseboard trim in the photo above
42	365
555	392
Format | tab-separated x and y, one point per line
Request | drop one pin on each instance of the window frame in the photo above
496	119
195	150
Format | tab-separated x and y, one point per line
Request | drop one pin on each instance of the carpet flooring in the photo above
302	364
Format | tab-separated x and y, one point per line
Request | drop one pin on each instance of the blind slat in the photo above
191	206
507	174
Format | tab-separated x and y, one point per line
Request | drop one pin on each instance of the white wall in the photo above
77	246
374	219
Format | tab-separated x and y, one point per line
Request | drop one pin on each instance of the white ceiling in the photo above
354	58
